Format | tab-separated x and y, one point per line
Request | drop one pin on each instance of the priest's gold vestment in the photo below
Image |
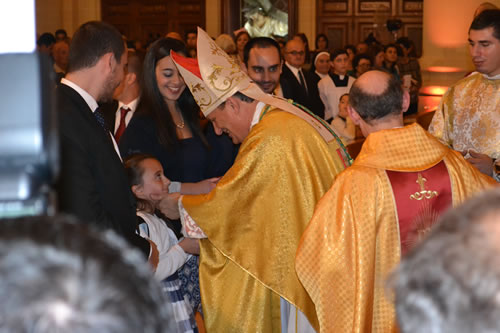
352	242
254	219
468	116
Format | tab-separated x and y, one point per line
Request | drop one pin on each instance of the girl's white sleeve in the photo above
172	256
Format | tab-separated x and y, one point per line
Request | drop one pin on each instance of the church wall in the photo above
66	14
445	40
445	27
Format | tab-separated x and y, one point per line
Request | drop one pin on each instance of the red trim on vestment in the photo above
420	197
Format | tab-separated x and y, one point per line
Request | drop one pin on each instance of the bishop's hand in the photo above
168	205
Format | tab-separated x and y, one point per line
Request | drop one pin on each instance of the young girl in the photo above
342	123
149	186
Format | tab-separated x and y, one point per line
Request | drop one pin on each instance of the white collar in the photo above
321	75
132	105
294	70
494	77
91	102
257	113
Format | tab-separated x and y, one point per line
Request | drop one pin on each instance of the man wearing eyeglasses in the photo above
297	84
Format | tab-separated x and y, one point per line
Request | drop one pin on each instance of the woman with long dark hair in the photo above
168	125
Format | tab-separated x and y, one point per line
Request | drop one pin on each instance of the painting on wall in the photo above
265	18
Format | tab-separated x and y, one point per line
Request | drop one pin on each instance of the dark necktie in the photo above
302	80
100	119
121	127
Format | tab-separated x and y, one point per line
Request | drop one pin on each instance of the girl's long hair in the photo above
153	104
135	171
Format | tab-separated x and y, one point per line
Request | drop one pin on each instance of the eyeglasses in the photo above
296	53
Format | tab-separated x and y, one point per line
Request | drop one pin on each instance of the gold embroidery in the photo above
423	194
201	96
468	116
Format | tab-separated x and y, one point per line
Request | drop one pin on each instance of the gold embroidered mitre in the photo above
214	76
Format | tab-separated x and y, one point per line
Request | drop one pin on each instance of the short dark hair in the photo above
395	46
450	282
91	41
489	18
62	275
260	42
243	97
351	47
239	95
373	50
358	57
61	31
321	35
405	41
190	31
241	33
408	44
336	53
371	107
46	39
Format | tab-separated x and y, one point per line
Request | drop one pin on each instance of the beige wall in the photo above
66	14
307	20
213	18
445	32
446	24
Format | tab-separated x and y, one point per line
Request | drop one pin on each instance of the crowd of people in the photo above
223	163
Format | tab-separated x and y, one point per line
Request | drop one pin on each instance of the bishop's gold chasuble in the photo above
254	219
468	116
378	208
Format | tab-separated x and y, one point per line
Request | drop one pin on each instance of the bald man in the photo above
297	84
378	209
174	35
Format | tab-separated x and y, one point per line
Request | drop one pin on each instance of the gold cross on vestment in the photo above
421	181
423	194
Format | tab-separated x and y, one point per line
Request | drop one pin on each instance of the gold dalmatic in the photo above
468	116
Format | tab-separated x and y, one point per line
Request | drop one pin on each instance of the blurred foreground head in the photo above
61	276
451	282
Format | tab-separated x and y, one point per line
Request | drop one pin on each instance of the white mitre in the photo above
215	76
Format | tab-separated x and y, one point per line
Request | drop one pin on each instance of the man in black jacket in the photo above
93	184
297	84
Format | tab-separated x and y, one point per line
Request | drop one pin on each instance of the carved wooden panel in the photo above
351	21
147	20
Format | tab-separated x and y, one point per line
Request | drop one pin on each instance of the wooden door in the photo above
351	21
146	20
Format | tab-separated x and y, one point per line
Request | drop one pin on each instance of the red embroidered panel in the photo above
421	197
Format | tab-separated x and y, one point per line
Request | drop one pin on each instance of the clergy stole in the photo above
420	198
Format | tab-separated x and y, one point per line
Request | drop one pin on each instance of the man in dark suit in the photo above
297	85
118	113
93	184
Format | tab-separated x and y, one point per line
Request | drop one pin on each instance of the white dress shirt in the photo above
132	106
92	103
